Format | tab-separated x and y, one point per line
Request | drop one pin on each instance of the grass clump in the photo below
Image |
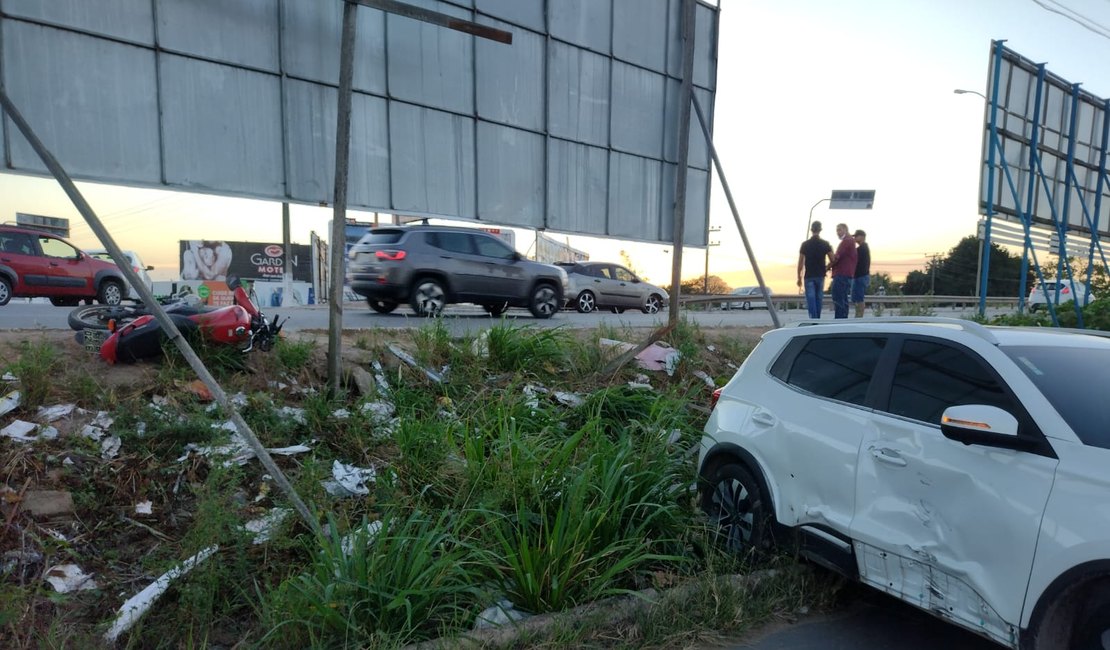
37	366
526	349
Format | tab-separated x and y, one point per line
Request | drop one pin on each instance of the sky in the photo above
812	96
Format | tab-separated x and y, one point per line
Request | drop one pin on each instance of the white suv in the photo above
1040	295
960	468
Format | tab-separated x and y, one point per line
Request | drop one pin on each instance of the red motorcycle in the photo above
126	333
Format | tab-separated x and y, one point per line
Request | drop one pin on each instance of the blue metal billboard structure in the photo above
1044	163
572	128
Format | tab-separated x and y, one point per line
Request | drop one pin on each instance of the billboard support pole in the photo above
157	311
986	258
287	266
339	212
685	97
736	216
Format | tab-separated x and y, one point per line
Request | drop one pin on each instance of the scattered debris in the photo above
480	345
348	480
371	530
134	607
21	431
9	402
9	377
381	410
701	374
265	526
293	412
711	348
640	385
20	563
533	392
674	437
53	413
144	508
109	447
657	356
379	378
238	399
237	451
341	414
407	358
48	504
197	388
69	577
569	399
501	614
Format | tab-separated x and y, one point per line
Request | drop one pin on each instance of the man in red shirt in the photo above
843	270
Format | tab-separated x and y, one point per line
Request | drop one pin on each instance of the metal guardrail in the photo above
783	300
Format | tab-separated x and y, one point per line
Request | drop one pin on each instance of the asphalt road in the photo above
459	319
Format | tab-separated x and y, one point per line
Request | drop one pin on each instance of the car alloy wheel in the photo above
653	304
586	302
111	293
544	302
5	291
734	501
428	298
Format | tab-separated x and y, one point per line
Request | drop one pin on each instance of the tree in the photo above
884	281
955	274
697	285
916	284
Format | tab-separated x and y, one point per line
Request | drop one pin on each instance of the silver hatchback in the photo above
603	285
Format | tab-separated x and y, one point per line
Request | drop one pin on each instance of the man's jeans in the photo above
841	286
815	294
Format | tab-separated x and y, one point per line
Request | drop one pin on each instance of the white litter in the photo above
711	348
278	385
52	413
480	346
21	431
92	433
144	508
293	412
532	392
69	577
9	402
407	358
68	461
380	410
265	526
109	447
9	377
347	544
636	384
134	608
500	615
103	420
701	374
237	451
379	378
569	399
341	414
140	429
349	480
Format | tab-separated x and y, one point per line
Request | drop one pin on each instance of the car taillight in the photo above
716	397
1064	290
135	269
393	256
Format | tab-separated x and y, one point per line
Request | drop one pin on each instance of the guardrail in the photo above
787	301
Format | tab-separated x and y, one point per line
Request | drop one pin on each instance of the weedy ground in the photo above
527	476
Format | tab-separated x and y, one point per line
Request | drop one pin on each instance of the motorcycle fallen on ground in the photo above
127	333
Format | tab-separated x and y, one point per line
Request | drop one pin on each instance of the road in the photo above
459	319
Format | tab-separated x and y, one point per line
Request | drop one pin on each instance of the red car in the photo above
35	264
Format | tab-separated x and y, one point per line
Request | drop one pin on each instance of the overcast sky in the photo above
812	96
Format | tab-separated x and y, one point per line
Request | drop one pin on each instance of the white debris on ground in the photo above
69	577
408	359
569	399
265	526
9	377
655	357
293	412
348	480
532	392
701	374
144	508
54	413
499	615
379	378
347	544
9	402
237	451
109	447
22	431
380	413
480	345
239	400
341	414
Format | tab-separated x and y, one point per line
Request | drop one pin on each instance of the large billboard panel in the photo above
1044	152
177	94
215	260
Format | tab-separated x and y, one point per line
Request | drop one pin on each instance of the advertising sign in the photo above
213	260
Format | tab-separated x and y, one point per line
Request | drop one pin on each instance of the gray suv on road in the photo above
430	267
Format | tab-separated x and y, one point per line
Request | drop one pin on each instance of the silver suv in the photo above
602	285
432	266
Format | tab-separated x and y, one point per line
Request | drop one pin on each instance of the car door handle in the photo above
597	281
764	418
888	456
53	264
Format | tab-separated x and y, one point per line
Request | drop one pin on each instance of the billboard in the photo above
571	128
213	260
1044	148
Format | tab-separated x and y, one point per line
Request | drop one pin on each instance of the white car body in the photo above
1040	295
136	265
1002	528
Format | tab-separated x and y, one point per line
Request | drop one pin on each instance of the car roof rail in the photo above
969	326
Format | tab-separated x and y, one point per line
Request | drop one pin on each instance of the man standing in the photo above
862	279
843	268
811	259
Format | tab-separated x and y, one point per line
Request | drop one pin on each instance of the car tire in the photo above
586	302
5	291
617	310
111	293
544	301
653	304
495	309
382	306
428	297
734	501
747	306
1092	621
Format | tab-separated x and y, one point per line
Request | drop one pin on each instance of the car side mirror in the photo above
149	267
979	424
635	280
517	256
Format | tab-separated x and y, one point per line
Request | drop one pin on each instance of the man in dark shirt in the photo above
811	259
862	278
843	268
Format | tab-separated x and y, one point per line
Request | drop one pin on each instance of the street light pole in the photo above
961	91
708	243
810	222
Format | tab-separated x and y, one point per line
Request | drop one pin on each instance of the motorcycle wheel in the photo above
96	317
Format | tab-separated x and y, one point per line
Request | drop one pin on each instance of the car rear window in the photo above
837	367
1074	380
382	237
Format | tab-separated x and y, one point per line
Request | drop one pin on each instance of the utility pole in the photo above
933	272
708	244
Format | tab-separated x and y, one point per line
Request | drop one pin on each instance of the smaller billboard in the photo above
852	200
214	260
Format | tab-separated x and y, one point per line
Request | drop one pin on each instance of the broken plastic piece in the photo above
53	413
265	526
69	577
501	614
144	508
21	431
349	480
109	447
9	402
701	374
407	358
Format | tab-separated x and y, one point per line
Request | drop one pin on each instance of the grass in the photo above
484	492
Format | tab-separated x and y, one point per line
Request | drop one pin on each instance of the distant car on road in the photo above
35	264
747	298
433	266
136	265
602	285
1040	295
